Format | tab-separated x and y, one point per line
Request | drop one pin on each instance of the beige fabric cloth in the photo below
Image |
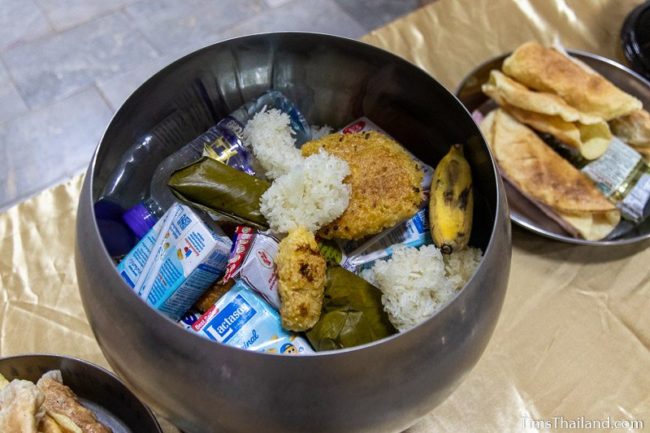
573	339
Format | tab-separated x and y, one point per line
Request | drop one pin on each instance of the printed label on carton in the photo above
241	318
189	319
186	258
131	267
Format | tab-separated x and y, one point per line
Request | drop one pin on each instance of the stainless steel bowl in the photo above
98	390
207	387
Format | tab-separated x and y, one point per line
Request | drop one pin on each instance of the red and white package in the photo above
362	124
252	260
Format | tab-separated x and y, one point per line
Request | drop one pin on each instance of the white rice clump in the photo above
312	194
415	283
320	131
269	135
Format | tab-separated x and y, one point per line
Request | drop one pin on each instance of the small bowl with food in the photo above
59	394
296	226
571	136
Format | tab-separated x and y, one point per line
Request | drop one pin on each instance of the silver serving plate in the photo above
522	211
98	390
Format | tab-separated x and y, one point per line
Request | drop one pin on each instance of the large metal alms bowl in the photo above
203	386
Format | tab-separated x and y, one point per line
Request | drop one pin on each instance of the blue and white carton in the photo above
183	258
241	318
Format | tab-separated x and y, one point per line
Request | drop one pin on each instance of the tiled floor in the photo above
66	65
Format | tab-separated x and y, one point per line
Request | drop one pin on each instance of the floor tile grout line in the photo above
105	98
12	81
217	33
344	12
56	32
76	93
133	23
46	16
133	27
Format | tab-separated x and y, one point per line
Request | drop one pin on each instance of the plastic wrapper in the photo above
252	260
356	256
216	187
352	313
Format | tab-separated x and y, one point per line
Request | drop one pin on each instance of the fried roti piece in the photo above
60	399
634	129
549	70
20	407
385	183
49	425
542	175
546	112
301	280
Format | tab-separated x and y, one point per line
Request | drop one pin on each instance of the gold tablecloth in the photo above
572	346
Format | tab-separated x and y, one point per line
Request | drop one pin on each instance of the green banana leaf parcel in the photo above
215	187
352	313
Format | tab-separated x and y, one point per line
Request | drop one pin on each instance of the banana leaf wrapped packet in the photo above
215	187
352	313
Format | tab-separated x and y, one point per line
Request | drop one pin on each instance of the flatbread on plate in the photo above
546	178
549	70
546	112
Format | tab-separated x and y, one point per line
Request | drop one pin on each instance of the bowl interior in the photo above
113	404
333	81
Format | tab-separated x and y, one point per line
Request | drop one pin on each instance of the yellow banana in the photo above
452	202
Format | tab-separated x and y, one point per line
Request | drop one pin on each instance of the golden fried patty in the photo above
301	280
384	180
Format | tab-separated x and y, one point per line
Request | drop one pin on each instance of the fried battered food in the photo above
59	399
20	407
301	280
384	179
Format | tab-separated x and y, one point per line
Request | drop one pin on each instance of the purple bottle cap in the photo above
139	220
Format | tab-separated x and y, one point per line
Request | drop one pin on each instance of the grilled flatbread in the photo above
548	70
634	128
547	178
61	400
590	135
590	140
20	407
